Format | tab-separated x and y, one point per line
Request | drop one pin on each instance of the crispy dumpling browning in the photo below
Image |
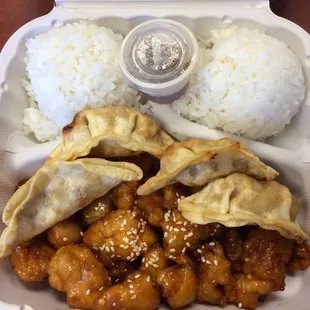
57	191
111	132
240	200
196	162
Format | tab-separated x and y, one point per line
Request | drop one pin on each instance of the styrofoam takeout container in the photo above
21	155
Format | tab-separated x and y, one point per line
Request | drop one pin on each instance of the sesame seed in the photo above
185	237
165	235
199	251
190	234
183	229
105	223
112	243
171	257
146	265
185	223
247	259
101	302
183	250
188	244
171	240
87	292
172	250
203	259
137	276
212	243
114	304
133	297
131	291
129	280
128	257
215	262
179	222
143	259
208	262
81	233
101	288
148	279
65	239
176	229
240	305
130	286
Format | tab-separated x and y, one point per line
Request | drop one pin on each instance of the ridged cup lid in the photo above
159	54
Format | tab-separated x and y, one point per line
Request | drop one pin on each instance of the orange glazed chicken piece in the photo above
124	195
178	285
137	292
173	193
244	291
153	207
30	260
66	232
180	234
154	261
75	270
301	257
122	234
213	272
266	254
119	270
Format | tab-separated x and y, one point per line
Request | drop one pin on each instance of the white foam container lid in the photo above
21	156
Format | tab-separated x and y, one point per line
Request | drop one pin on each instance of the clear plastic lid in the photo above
159	56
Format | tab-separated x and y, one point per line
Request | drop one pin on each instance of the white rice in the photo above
70	69
249	84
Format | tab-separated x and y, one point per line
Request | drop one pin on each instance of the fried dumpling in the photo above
196	162
111	132
240	200
57	191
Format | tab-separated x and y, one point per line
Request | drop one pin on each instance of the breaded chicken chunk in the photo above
124	195
301	257
266	254
137	292
75	270
244	291
178	285
233	247
120	270
180	234
154	261
123	234
66	232
97	209
213	272
153	207
30	260
173	193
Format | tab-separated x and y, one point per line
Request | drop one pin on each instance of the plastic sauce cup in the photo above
158	57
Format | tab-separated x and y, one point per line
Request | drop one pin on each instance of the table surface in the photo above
15	13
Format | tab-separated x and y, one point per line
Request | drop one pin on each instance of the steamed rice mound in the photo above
249	84
69	69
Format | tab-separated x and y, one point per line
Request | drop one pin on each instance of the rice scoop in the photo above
249	84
